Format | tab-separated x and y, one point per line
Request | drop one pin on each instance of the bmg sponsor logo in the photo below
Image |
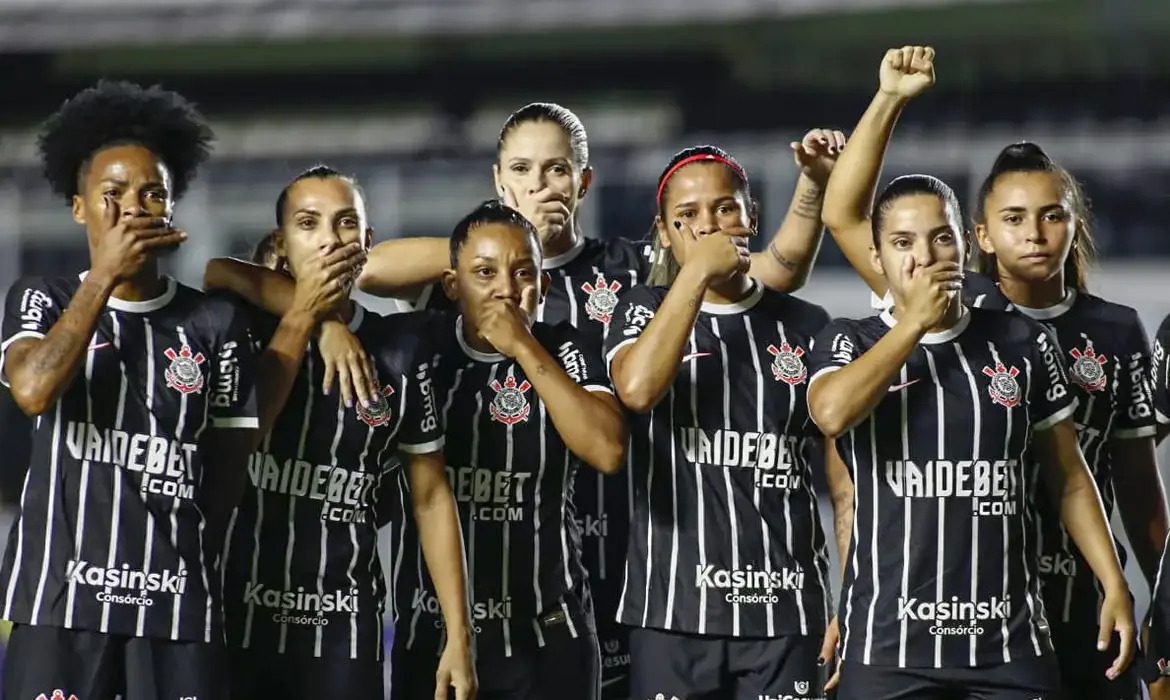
749	585
301	607
955	617
124	585
34	305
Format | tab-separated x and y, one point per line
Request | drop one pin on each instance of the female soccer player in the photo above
542	168
949	418
524	404
725	578
303	590
1031	223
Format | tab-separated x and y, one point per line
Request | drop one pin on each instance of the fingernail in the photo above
1101	646
820	661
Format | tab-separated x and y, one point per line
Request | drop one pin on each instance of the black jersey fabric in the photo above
1161	373
302	575
943	566
725	538
110	536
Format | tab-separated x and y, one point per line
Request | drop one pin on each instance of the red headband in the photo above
694	159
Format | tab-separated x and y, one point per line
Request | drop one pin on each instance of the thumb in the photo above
1104	631
529	299
510	198
908	265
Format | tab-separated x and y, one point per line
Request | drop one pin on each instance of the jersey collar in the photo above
487	357
941	336
1051	312
141	307
359	315
566	257
738	307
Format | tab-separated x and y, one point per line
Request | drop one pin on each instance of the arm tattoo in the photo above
808	204
53	351
780	258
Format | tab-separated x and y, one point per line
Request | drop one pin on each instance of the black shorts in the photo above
728	668
92	666
266	674
614	640
565	668
1033	678
1082	667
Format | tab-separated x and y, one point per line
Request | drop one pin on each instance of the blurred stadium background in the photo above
409	96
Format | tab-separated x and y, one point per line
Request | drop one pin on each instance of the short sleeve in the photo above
421	431
630	318
581	359
29	312
1160	373
1050	399
1135	401
233	402
835	346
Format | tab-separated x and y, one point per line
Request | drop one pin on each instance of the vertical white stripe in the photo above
668	613
374	570
854	544
506	544
290	546
50	516
83	487
732	515
176	504
475	419
941	523
257	462
873	539
765	536
977	437
537	501
700	494
1032	602
323	556
907	512
789	530
148	546
649	563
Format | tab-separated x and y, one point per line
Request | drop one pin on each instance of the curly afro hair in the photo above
115	112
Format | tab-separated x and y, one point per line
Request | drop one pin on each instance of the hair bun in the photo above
1021	156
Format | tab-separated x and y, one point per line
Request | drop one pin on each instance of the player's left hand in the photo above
829	653
506	325
1117	616
456	672
817	153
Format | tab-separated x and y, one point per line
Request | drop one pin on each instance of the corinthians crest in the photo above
787	365
183	375
1003	387
602	298
510	406
1088	368
378	413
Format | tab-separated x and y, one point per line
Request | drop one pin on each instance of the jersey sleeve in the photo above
1049	398
421	432
1135	401
432	298
630	318
835	346
233	402
29	312
1160	372
581	359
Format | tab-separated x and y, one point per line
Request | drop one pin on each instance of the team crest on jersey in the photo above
602	298
1003	387
1088	368
378	413
787	365
57	695
510	406
183	375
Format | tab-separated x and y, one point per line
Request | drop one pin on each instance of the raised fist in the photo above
908	71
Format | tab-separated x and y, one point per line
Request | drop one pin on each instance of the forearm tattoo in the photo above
809	202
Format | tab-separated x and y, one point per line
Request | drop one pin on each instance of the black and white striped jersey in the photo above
1161	372
725	538
1105	349
110	536
301	569
979	291
943	565
512	476
1156	650
586	283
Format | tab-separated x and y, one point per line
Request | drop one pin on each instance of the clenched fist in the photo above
907	72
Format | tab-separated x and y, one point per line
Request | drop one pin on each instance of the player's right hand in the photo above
326	279
828	653
717	255
457	672
131	241
547	209
929	291
346	361
907	72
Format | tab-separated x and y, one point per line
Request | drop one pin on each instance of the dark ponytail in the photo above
1027	157
664	266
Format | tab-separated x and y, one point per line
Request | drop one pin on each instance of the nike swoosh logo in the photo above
612	681
895	388
98	346
694	356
